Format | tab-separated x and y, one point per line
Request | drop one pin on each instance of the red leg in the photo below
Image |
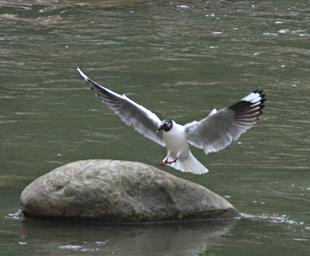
170	162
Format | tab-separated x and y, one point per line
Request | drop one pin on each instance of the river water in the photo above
180	59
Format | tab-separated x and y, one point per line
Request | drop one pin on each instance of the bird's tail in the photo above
190	164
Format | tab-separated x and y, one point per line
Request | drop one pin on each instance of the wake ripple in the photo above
279	219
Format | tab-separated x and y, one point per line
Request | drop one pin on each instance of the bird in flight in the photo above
211	134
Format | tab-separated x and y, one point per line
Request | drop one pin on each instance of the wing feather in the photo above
217	131
140	118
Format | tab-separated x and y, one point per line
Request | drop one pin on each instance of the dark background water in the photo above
180	59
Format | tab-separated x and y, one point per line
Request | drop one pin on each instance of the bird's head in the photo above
165	125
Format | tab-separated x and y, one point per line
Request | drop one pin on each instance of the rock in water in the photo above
120	191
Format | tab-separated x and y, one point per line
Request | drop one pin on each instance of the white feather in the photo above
212	133
253	97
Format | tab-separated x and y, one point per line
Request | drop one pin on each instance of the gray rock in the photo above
120	191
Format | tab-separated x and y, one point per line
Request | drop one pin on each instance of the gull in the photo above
211	134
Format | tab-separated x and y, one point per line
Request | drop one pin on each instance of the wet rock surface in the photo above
120	192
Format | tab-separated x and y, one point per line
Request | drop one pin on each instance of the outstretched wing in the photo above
141	119
221	128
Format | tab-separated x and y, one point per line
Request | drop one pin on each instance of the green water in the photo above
180	59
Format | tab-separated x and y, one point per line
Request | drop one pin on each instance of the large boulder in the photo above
120	191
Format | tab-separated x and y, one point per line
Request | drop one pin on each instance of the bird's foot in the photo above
169	162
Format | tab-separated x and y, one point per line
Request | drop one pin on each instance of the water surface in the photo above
180	59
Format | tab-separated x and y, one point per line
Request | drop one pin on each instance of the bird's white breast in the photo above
175	139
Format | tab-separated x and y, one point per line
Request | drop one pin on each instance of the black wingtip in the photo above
249	109
94	86
261	93
81	74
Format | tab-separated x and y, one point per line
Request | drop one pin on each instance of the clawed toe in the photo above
170	162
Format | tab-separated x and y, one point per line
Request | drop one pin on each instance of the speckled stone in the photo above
120	192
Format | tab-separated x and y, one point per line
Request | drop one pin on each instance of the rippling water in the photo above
180	59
